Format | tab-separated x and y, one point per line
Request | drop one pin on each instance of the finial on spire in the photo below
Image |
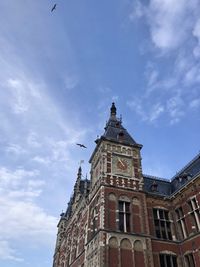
113	110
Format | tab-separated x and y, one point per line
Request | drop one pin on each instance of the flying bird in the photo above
81	145
53	8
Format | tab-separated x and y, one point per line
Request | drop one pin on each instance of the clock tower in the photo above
116	159
116	200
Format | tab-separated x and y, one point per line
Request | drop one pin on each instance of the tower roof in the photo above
114	131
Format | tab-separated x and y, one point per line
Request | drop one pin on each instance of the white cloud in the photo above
13	179
152	77
15	149
170	22
182	63
26	194
156	111
138	10
173	26
22	219
26	221
42	160
192	75
20	102
137	106
150	114
175	108
33	140
8	253
155	83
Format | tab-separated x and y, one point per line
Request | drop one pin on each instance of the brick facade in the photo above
123	218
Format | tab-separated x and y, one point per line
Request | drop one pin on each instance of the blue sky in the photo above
59	74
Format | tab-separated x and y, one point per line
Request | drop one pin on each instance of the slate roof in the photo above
114	131
160	186
163	187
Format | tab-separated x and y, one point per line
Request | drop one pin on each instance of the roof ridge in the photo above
155	177
186	166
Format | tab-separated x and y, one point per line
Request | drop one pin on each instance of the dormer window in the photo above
183	177
154	186
120	135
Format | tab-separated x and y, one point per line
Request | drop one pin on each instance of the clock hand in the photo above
121	161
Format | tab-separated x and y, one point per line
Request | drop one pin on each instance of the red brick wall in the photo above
113	257
139	259
126	258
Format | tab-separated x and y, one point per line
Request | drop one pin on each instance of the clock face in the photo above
121	165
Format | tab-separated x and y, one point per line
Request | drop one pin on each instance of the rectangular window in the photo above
167	260
162	224
189	260
194	213
181	223
124	216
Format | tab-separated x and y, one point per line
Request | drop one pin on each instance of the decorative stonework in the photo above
125	244
138	245
112	197
113	243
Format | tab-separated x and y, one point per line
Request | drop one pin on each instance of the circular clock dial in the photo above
122	164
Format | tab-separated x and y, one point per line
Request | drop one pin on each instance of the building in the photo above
124	218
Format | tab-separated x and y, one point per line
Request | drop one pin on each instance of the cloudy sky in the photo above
59	73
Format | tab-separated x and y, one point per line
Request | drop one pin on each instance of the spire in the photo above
79	172
78	181
113	111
